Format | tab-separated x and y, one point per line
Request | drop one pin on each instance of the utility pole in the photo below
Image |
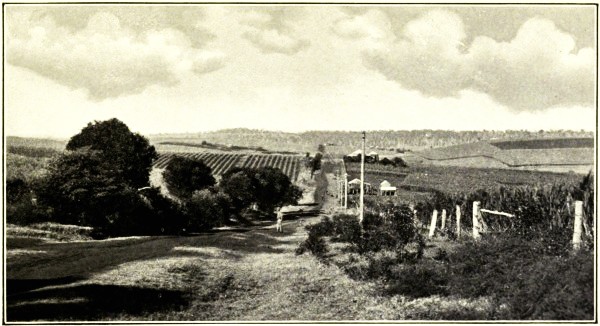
362	180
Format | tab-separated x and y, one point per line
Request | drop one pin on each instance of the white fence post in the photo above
476	220
443	219
457	221
578	225
433	223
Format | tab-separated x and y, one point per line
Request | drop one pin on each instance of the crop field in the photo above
220	163
545	143
556	155
451	179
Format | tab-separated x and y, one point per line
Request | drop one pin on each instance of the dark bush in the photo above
17	190
21	204
184	175
166	216
346	228
399	162
25	212
315	244
207	209
324	228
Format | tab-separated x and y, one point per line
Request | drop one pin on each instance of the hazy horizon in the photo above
294	68
308	131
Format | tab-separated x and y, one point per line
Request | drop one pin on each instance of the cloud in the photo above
105	57
272	32
371	26
538	69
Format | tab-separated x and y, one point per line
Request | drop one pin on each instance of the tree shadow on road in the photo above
90	302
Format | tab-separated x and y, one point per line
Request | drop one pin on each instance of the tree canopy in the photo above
185	175
268	187
129	153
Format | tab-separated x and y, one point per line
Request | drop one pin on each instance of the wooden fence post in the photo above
443	219
433	223
457	221
476	220
415	218
578	225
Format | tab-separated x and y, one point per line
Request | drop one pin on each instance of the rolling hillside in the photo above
556	155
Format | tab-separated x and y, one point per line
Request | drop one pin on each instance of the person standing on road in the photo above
279	220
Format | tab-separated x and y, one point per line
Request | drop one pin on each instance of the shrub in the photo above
521	274
165	217
322	229
346	228
313	243
25	212
207	209
17	190
184	175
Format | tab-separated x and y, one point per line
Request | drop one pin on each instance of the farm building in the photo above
386	189
354	187
554	155
371	157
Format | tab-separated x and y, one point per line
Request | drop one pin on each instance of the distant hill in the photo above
339	143
553	154
56	144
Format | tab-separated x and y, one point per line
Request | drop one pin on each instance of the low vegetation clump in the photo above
390	230
522	279
49	230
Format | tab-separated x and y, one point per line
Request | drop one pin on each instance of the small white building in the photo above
354	187
386	189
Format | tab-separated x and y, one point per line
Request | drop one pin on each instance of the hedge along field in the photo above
220	163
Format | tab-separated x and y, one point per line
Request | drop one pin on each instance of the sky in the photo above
194	68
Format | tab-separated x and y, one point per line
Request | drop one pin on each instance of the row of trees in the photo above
102	180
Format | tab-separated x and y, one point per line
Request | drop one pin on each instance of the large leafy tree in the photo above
130	154
184	176
268	187
274	189
83	188
240	185
95	182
